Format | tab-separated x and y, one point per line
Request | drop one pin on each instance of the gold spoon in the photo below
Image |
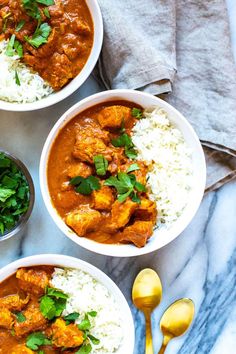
176	320
146	295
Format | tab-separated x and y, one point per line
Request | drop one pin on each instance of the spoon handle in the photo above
164	345
149	345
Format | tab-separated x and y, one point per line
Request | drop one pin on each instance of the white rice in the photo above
170	178
87	294
32	86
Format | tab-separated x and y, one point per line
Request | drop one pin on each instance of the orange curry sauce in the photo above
99	216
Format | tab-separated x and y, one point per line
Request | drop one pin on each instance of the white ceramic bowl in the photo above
160	237
74	84
71	262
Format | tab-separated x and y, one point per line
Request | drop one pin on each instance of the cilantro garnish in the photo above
84	349
40	36
126	186
85	186
17	78
32	9
101	165
137	113
85	324
20	25
72	317
36	339
14	194
125	141
46	12
20	317
133	167
13	47
93	339
53	303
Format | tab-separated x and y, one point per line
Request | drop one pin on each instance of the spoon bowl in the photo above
146	295
176	320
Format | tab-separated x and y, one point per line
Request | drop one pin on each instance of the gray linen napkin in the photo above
144	39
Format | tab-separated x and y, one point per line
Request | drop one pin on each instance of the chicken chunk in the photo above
66	336
146	210
83	220
79	169
138	233
33	281
113	116
61	70
121	212
13	302
35	321
103	198
21	349
91	141
6	318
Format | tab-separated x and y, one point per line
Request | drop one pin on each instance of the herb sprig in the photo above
36	339
85	186
53	303
126	186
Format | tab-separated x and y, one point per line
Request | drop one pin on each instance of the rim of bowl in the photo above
25	217
74	84
73	262
107	249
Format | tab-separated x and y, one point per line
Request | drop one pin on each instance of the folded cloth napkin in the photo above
142	43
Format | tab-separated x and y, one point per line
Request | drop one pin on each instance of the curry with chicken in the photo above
53	37
96	183
31	316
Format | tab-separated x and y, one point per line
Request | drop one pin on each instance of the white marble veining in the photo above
200	264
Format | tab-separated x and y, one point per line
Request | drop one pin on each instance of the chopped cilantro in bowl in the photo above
16	195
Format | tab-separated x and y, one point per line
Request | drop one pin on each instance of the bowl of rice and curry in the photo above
59	304
48	48
122	173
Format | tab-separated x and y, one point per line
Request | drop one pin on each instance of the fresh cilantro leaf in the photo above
130	152
13	47
85	349
40	36
46	12
5	193
135	198
140	187
9	182
53	292
20	25
60	305
4	161
137	113
20	317
133	167
126	141
36	339
10	46
46	2
92	313
101	165
31	9
122	140
125	185
85	324
18	48
72	317
85	186
17	78
41	352
93	339
47	307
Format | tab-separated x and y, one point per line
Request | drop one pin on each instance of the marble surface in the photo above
200	263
